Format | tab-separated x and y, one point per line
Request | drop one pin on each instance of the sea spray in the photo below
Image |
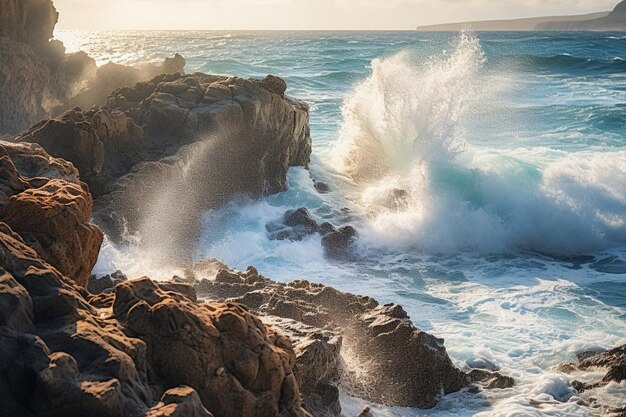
405	113
402	137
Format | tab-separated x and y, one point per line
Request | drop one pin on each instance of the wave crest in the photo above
421	185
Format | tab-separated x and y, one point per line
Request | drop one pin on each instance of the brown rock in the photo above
55	221
43	201
236	364
391	361
179	402
491	380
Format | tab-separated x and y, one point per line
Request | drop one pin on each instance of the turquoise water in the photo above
512	150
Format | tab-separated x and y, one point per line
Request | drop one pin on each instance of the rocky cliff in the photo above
37	77
614	21
67	353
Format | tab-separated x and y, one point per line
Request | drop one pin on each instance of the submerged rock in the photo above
613	361
338	244
491	380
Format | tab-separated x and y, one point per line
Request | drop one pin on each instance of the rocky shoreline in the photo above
155	149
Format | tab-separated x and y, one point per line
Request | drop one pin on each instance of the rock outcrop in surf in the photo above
207	138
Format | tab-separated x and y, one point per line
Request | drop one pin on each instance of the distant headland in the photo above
602	21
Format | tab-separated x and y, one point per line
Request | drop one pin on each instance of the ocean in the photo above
484	172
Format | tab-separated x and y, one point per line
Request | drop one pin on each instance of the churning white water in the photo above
402	138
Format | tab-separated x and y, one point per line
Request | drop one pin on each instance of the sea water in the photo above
510	149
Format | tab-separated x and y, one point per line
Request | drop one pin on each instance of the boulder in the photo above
340	244
43	201
296	225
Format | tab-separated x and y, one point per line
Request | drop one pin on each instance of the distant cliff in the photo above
601	21
528	24
614	21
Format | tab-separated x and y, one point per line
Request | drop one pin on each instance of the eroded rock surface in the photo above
102	143
65	352
390	361
43	200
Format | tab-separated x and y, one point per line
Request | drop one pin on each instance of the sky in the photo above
303	14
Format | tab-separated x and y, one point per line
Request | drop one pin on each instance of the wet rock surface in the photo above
377	339
613	361
339	244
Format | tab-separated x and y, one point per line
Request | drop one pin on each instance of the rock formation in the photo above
372	351
67	353
39	79
339	244
166	150
612	361
103	144
43	200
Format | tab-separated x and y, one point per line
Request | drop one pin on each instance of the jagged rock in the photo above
44	202
55	220
378	339
196	129
28	21
235	363
340	244
254	116
491	380
613	361
111	76
318	363
102	143
97	285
